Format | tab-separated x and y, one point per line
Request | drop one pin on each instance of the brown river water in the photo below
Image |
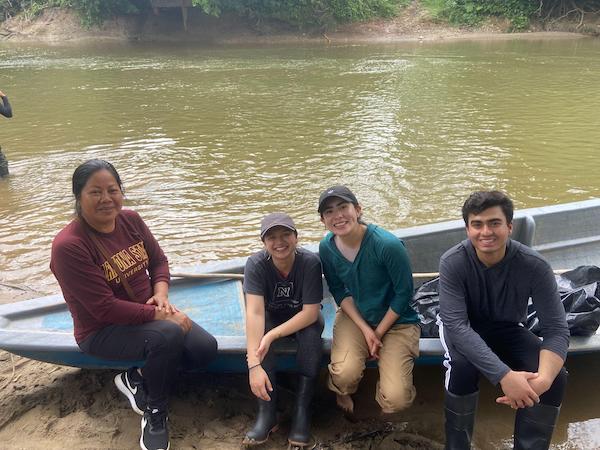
208	140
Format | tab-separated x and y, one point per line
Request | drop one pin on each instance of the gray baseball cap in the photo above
336	191
277	219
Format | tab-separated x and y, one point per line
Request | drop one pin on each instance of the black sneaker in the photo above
131	384
155	434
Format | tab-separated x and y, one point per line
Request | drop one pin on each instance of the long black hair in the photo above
83	173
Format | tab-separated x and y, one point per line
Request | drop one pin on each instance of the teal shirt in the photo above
380	277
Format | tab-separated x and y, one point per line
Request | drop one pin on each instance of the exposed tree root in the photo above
552	11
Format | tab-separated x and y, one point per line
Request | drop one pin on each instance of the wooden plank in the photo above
184	16
183	4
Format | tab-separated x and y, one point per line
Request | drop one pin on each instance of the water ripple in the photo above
207	141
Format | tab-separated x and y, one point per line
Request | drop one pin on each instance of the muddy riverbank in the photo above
59	26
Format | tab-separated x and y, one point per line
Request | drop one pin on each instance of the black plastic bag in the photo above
426	302
579	291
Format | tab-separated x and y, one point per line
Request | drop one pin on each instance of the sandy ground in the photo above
45	406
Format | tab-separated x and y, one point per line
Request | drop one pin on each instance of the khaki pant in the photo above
395	390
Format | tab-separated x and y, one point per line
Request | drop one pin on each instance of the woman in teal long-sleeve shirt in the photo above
369	275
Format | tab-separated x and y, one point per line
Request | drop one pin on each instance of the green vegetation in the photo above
519	12
297	13
326	13
473	12
92	12
303	13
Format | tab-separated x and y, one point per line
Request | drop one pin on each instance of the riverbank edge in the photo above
58	26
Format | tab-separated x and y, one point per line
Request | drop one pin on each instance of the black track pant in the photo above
310	346
162	345
517	347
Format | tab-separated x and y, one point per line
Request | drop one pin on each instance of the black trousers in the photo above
517	347
310	345
162	345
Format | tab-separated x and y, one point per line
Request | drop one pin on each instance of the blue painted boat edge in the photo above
61	348
231	355
224	363
27	341
37	305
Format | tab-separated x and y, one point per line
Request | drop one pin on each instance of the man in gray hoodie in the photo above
485	284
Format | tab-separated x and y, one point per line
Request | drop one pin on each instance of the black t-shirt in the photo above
285	295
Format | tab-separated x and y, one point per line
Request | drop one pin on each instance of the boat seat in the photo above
524	230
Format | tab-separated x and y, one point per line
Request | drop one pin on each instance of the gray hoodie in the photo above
473	296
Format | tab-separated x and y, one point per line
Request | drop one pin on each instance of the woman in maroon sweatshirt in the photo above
131	320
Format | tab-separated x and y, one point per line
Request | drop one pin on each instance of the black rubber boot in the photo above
460	417
3	165
534	427
266	418
300	429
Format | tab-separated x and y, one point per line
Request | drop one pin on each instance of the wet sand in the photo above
44	406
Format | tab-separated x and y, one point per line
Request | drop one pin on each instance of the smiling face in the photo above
280	242
101	200
340	216
489	232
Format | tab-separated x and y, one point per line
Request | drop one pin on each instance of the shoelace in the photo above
137	381
135	378
158	419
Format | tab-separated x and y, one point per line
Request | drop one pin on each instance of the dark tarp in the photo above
579	292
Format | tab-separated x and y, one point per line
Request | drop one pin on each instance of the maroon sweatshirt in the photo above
92	289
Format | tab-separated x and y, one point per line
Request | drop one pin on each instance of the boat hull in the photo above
42	328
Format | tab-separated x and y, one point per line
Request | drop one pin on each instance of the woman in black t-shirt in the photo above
284	289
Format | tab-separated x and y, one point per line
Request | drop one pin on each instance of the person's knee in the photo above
345	376
462	377
209	347
213	345
555	394
311	335
460	366
170	336
309	372
309	356
201	341
310	367
200	348
396	399
561	378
